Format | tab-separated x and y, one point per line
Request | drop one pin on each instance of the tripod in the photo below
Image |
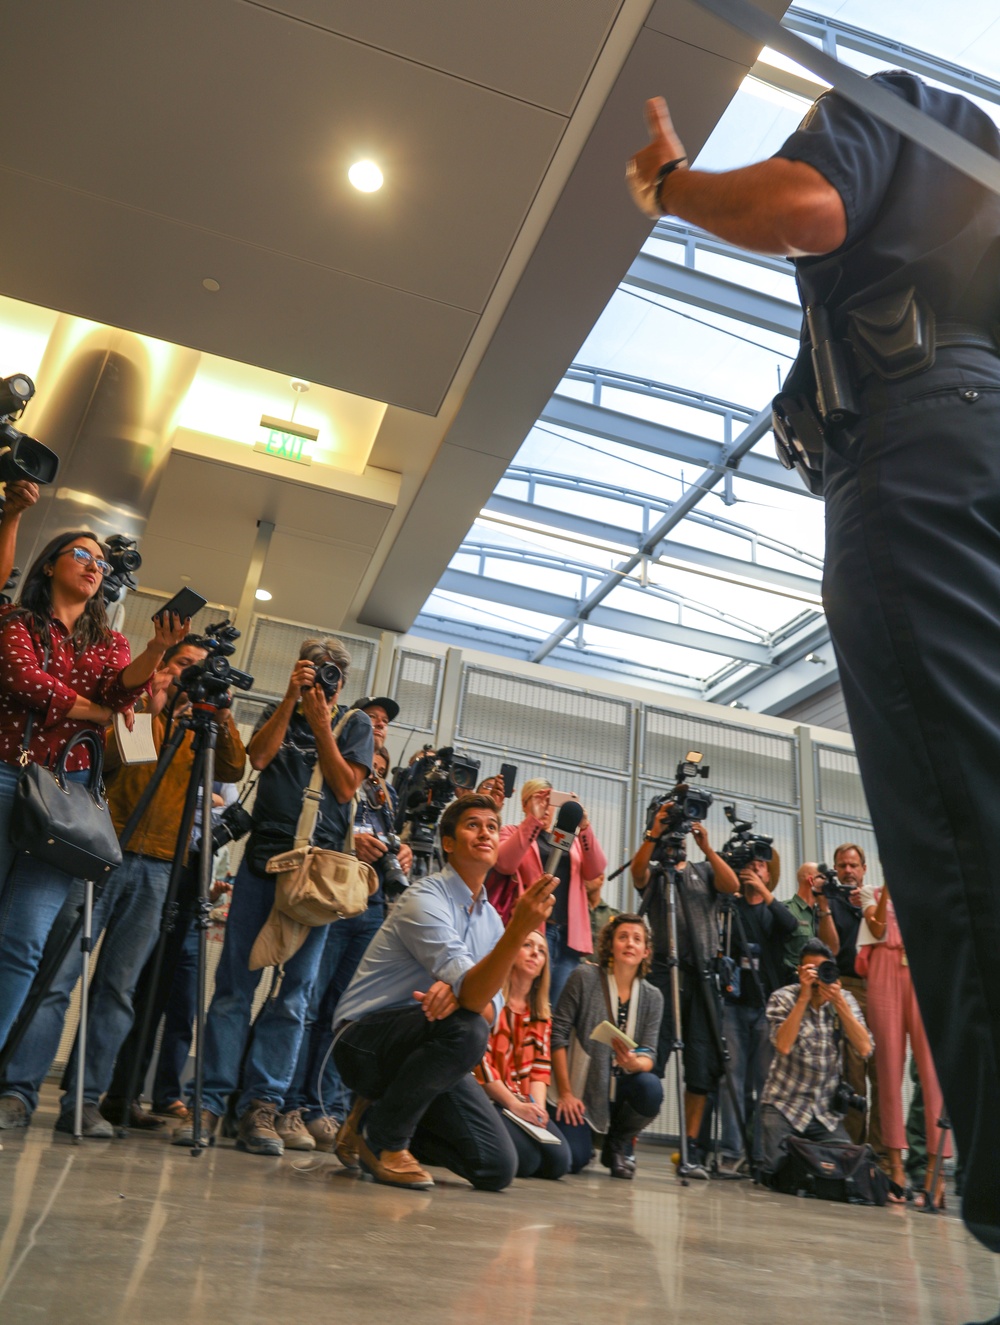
944	1125
664	869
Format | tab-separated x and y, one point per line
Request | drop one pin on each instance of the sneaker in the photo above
94	1127
696	1165
13	1112
348	1137
394	1168
323	1131
184	1135
135	1116
293	1131
733	1167
256	1133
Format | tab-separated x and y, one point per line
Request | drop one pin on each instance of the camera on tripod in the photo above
435	780
688	804
208	682
832	887
744	846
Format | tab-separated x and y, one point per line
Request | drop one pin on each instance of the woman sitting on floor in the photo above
516	1068
619	1094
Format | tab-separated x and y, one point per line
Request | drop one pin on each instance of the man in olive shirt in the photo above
813	918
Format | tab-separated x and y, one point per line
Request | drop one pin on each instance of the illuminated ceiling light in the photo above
365	176
262	596
211	285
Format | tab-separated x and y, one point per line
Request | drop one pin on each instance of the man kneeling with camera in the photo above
804	1094
416	1017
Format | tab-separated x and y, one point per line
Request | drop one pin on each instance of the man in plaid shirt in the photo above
808	1023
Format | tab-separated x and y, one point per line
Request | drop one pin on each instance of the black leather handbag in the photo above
66	824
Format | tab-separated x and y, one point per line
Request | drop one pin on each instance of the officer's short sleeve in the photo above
853	151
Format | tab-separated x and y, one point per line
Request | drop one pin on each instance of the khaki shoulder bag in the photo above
314	886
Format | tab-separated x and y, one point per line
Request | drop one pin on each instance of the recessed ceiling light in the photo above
262	596
365	176
211	284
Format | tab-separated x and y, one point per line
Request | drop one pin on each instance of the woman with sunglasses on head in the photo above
63	670
516	1067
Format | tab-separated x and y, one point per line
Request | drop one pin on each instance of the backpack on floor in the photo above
832	1171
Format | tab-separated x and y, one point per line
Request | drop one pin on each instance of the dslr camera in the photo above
744	846
844	1098
689	803
232	824
394	880
328	678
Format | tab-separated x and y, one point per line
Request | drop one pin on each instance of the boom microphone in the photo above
564	834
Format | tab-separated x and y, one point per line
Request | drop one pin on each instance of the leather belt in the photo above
951	335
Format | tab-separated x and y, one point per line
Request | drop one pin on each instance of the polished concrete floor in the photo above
138	1232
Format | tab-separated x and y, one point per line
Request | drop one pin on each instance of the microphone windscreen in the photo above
570	817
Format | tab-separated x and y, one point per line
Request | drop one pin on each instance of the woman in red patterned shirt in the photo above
516	1068
62	665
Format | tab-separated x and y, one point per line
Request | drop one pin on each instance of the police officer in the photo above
902	254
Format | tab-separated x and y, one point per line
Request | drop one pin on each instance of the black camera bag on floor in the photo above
832	1171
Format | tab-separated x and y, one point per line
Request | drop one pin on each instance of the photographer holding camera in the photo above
314	1109
702	883
813	918
128	911
289	740
804	1094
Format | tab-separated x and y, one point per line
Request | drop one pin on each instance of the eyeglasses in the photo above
86	558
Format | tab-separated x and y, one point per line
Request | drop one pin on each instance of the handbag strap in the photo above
312	797
23	758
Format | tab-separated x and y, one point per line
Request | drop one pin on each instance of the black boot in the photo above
617	1153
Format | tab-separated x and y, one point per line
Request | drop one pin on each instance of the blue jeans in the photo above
277	1032
563	961
346	942
749	1043
129	911
31	895
178	1026
638	1098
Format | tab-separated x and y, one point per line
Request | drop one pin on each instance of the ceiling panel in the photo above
538	50
238	121
686	20
80	254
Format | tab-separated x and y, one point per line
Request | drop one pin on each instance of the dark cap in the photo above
383	702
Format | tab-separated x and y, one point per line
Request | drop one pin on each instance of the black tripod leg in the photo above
205	739
167	921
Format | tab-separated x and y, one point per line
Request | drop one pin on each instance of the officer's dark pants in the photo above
912	594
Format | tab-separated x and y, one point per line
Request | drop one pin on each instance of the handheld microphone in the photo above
564	834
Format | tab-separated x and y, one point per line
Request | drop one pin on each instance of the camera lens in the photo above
827	972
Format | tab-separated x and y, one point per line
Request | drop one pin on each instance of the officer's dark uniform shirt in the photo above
278	802
912	219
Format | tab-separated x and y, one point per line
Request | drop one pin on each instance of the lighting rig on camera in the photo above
435	780
124	559
21	456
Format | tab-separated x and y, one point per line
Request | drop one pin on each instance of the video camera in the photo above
124	558
832	887
208	681
744	847
689	804
435	779
22	457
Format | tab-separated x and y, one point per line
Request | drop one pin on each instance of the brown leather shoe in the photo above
346	1148
394	1168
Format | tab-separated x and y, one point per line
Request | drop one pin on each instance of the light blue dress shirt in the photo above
436	931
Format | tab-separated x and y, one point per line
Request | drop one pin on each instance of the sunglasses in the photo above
85	558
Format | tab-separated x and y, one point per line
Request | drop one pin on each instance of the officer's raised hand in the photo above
664	146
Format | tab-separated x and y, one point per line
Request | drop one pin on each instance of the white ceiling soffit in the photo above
592	235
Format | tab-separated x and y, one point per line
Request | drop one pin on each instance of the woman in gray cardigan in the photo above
610	1089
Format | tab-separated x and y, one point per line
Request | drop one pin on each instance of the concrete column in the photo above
244	612
451	690
807	793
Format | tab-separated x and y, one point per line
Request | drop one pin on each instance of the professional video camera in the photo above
689	804
21	456
743	846
832	887
208	681
435	779
124	559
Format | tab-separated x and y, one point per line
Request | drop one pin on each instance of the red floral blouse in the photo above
49	694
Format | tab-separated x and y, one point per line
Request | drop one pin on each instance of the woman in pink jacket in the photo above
523	849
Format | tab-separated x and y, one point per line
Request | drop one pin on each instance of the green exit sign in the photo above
286	440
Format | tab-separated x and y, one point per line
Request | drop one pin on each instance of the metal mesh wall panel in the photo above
515	715
838	784
275	646
743	761
831	833
416	688
604	798
140	606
